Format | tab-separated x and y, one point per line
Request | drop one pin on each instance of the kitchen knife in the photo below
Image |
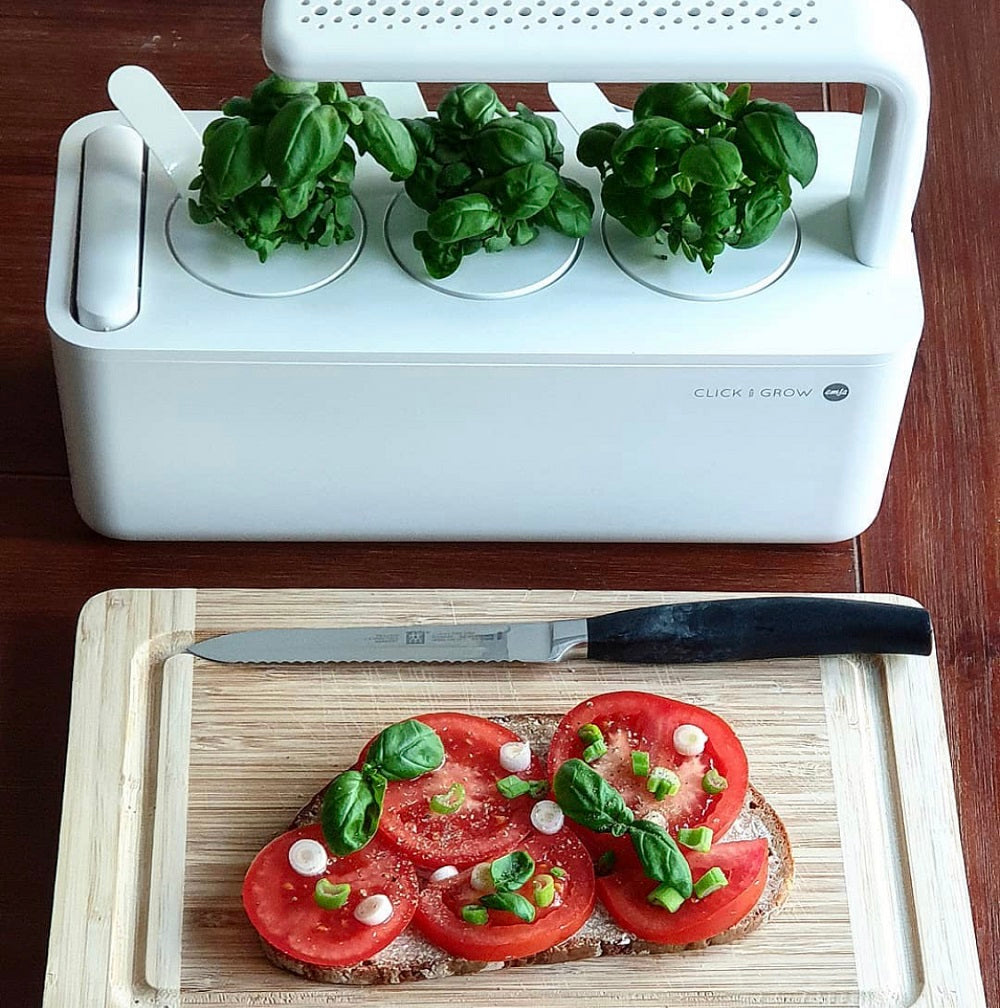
685	632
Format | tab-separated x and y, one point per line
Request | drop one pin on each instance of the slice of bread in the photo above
412	957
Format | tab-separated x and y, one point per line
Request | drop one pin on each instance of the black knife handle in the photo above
750	628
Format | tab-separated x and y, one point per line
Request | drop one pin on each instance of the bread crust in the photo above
411	957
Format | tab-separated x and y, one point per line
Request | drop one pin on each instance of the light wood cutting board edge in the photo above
139	628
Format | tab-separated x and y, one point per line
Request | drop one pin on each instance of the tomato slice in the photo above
645	722
487	823
744	863
506	936
281	906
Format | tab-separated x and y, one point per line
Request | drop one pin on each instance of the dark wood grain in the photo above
936	538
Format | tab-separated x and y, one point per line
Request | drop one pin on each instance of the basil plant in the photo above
700	170
277	168
489	179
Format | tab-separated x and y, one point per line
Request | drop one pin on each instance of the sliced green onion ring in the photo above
699	839
712	881
713	782
543	890
451	801
331	895
667	897
473	914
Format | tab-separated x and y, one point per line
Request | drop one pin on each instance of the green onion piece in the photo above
605	864
667	897
557	871
713	782
594	751
513	786
543	890
640	763
712	881
331	895
589	734
473	914
451	801
699	839
662	783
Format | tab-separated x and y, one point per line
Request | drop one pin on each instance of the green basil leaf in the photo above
593	149
274	92
262	208
387	140
369	103
762	213
713	162
294	142
349	111
638	167
331	92
469	216
238	106
343	214
454	175
773	134
440	260
468	107
233	158
555	153
737	101
512	902
634	208
340	174
697	106
522	233
511	871
570	210
295	199
352	806
422	187
498	243
657	133
306	220
200	214
525	191
587	798
408	749
659	855
422	134
507	143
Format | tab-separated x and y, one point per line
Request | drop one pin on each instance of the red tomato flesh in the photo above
645	722
506	936
624	892
486	825
280	904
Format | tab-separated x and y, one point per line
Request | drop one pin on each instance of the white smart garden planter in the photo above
566	390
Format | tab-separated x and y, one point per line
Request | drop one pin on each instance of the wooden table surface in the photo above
937	537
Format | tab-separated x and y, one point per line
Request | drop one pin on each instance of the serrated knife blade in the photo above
715	630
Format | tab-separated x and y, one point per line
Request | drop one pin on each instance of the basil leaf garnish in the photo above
351	809
660	856
511	871
512	902
406	750
588	799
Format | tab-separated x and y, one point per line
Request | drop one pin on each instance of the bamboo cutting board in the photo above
179	770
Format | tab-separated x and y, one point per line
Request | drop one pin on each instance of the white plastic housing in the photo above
375	407
872	42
